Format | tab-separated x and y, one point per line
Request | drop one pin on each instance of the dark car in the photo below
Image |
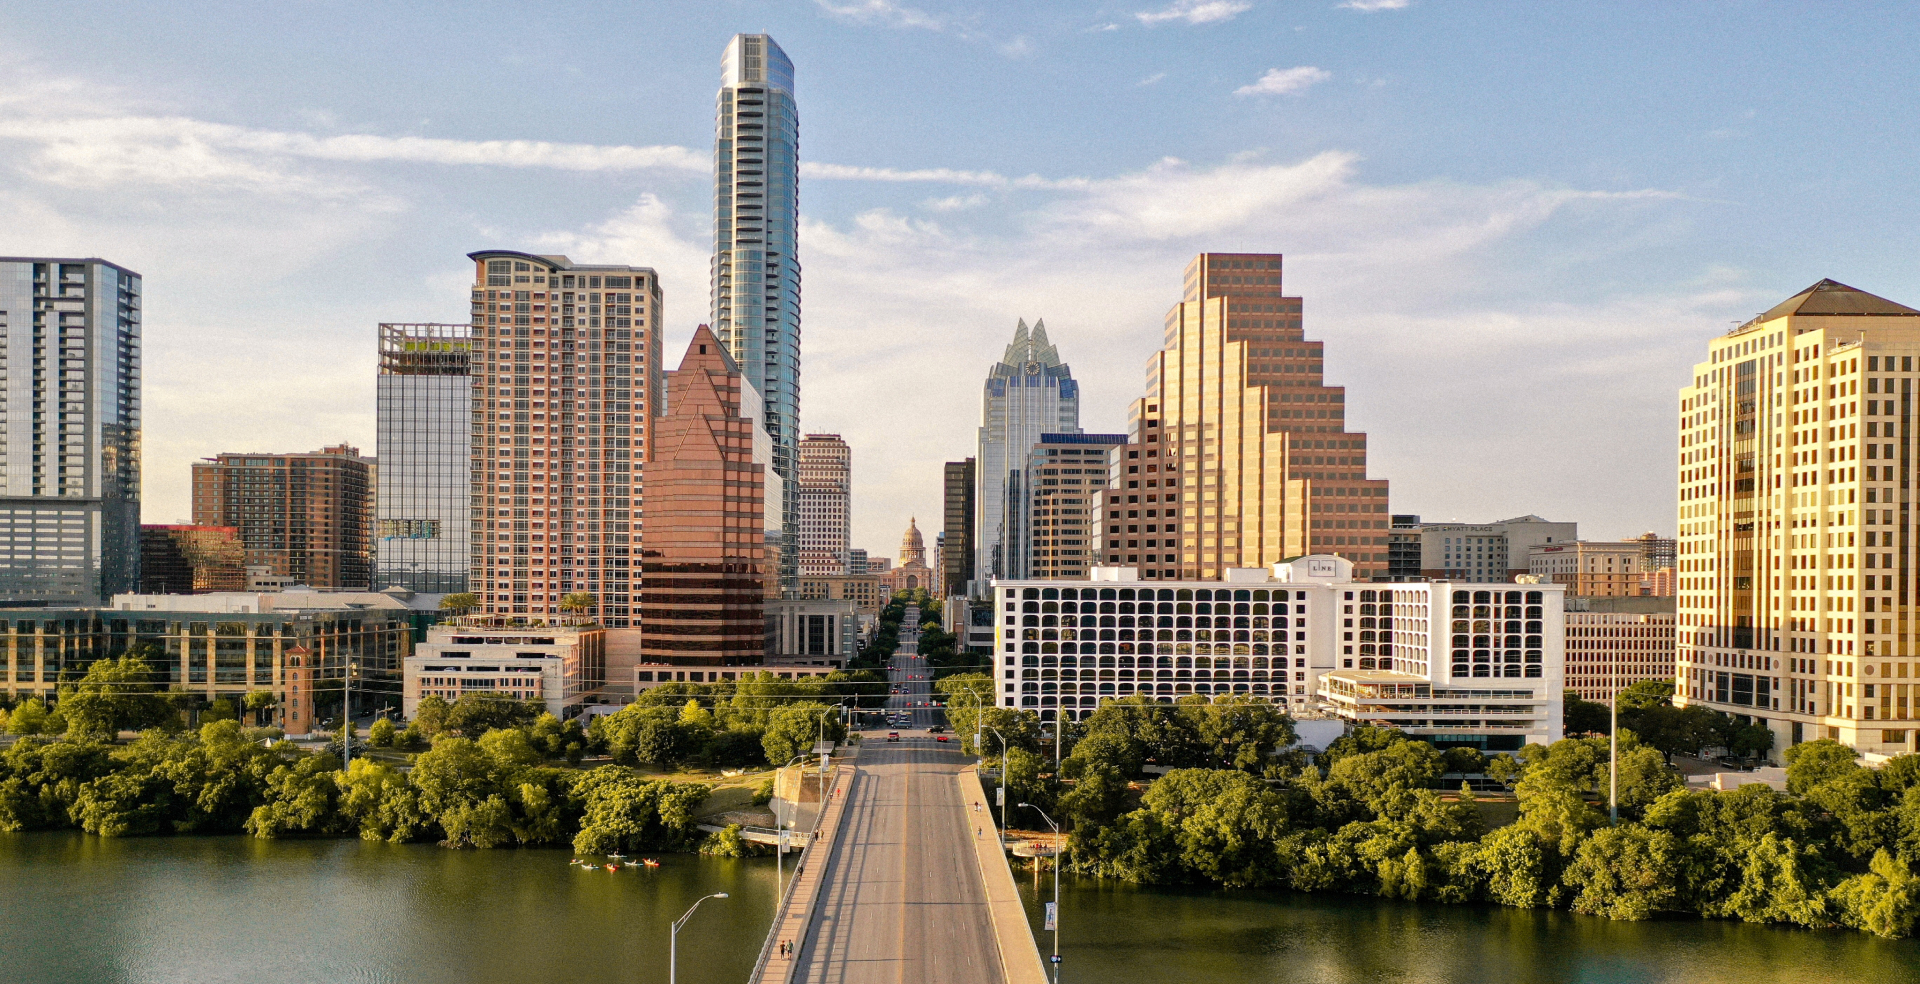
934	729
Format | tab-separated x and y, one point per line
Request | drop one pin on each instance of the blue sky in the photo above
1513	224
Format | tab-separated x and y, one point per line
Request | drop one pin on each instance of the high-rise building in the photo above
1029	392
1263	465
424	428
1497	551
1066	475
306	516
755	275
191	560
957	540
1796	549
70	434
708	518
826	504
566	392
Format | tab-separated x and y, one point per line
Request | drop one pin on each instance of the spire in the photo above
1017	352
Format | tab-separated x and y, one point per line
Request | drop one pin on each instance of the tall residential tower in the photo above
566	389
1797	548
825	494
69	430
755	276
1029	392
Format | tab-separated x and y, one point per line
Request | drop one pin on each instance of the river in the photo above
1113	933
76	909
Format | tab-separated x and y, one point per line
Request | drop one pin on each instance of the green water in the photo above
1116	934
192	910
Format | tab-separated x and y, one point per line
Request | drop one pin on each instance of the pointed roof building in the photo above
1028	393
1831	298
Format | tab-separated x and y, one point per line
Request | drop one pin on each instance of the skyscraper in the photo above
1029	392
70	434
957	540
1797	551
1067	474
756	264
566	389
1263	465
826	495
707	519
307	516
424	428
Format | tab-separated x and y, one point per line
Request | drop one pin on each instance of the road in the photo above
903	899
909	678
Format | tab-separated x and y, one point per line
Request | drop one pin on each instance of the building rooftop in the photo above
1830	298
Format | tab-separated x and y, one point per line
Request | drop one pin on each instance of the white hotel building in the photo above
1479	664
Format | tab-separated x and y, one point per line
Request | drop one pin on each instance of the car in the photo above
942	737
893	736
935	729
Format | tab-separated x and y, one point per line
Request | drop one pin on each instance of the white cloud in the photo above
1285	81
884	12
1151	79
1369	6
956	203
1196	11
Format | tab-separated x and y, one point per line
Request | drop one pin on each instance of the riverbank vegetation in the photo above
486	771
1372	815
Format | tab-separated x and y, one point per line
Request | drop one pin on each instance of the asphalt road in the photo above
903	901
909	678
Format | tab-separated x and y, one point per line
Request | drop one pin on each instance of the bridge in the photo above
906	881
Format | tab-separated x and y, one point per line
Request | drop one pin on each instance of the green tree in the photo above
1627	872
1884	901
430	716
30	718
1583	717
478	712
382	733
792	730
1814	762
116	695
1646	693
460	602
578	602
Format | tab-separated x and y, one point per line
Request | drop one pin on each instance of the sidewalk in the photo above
1019	955
804	891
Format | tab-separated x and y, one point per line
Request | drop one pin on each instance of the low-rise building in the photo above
1487	551
646	676
1282	634
555	664
1614	643
185	559
811	632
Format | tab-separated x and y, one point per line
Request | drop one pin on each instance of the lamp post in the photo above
1613	740
1003	786
1056	887
346	717
673	939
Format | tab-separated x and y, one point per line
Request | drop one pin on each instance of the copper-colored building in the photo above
305	516
706	561
1251	461
566	379
191	560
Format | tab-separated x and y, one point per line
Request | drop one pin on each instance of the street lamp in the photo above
1056	887
1003	785
673	939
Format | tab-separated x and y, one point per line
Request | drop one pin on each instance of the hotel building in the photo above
1797	550
566	389
1456	663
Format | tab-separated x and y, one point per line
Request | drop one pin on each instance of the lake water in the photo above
1118	934
76	909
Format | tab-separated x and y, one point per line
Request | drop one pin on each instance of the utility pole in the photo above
1003	787
1613	739
346	719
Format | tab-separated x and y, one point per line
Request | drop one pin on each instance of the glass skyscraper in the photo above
1030	392
69	430
756	267
424	432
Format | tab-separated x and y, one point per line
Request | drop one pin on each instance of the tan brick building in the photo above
306	516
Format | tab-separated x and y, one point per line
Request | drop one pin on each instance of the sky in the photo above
1514	225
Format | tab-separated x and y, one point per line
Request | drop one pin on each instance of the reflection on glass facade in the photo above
425	401
69	430
756	264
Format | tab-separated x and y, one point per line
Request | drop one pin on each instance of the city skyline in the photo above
1354	142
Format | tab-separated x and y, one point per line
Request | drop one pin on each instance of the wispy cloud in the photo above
1285	81
1369	6
1195	11
884	12
1151	79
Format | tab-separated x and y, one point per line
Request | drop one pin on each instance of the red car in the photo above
942	738
893	736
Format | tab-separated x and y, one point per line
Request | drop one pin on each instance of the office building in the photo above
1029	392
1796	552
177	560
957	544
709	518
1403	548
755	277
306	516
558	665
1256	463
1488	551
856	561
1616	642
826	504
1451	662
69	430
1065	475
424	433
864	591
811	632
566	390
1591	568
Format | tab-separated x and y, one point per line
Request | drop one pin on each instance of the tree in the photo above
258	702
116	695
1814	762
381	734
1583	717
30	718
792	730
478	712
965	694
1646	693
460	602
578	602
1627	872
1243	732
